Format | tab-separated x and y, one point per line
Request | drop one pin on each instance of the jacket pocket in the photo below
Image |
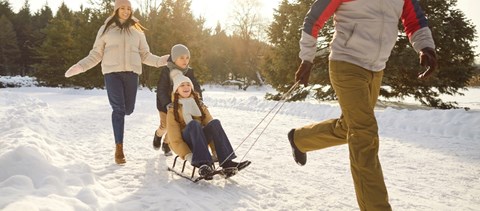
110	56
351	35
135	59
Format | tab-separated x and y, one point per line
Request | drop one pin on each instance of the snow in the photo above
17	81
56	153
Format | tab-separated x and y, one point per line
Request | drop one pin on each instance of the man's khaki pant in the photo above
357	90
162	128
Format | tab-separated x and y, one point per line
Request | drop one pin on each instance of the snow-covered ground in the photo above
56	153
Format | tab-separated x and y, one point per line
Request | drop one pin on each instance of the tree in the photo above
248	30
57	52
24	28
104	6
40	20
9	51
176	24
453	36
281	64
87	22
148	8
6	9
283	34
218	56
247	21
67	38
150	19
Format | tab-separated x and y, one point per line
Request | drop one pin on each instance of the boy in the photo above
179	60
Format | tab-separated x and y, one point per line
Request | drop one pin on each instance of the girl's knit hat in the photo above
178	78
119	3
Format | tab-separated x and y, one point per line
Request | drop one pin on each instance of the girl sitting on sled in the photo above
191	129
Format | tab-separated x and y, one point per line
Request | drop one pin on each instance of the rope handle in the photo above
282	101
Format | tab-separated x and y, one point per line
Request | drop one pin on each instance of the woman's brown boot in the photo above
119	156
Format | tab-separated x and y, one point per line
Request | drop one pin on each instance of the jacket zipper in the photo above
125	51
380	34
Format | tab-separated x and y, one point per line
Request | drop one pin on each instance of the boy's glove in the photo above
303	72
74	70
428	59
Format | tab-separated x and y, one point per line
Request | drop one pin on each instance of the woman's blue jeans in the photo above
122	92
198	138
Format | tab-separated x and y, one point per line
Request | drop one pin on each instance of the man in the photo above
365	33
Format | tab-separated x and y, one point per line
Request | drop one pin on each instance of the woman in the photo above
121	46
191	129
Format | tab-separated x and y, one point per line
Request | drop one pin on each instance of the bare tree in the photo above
147	7
249	26
247	19
105	6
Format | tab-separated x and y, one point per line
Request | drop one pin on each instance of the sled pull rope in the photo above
282	101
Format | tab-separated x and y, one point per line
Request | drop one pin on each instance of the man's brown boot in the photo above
119	156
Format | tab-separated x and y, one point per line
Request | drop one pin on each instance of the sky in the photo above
213	10
56	153
218	10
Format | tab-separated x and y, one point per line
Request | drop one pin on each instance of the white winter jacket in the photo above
121	51
365	30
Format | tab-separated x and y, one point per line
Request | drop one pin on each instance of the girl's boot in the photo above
119	156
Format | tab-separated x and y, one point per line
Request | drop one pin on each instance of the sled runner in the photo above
224	172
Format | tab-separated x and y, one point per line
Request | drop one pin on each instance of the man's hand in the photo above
303	72
428	59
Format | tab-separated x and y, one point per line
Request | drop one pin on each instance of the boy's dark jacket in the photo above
165	87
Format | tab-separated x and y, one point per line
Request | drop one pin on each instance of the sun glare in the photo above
214	11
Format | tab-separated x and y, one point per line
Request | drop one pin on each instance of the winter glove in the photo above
188	157
163	60
303	72
74	70
428	59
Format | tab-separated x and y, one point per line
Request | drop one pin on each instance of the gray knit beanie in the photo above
179	50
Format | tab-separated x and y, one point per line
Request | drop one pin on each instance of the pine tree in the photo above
176	24
9	51
6	9
219	55
87	22
281	64
453	35
40	20
150	19
24	28
58	49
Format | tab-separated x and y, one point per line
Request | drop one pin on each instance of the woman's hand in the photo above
74	70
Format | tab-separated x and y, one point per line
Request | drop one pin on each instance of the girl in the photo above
191	129
122	48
